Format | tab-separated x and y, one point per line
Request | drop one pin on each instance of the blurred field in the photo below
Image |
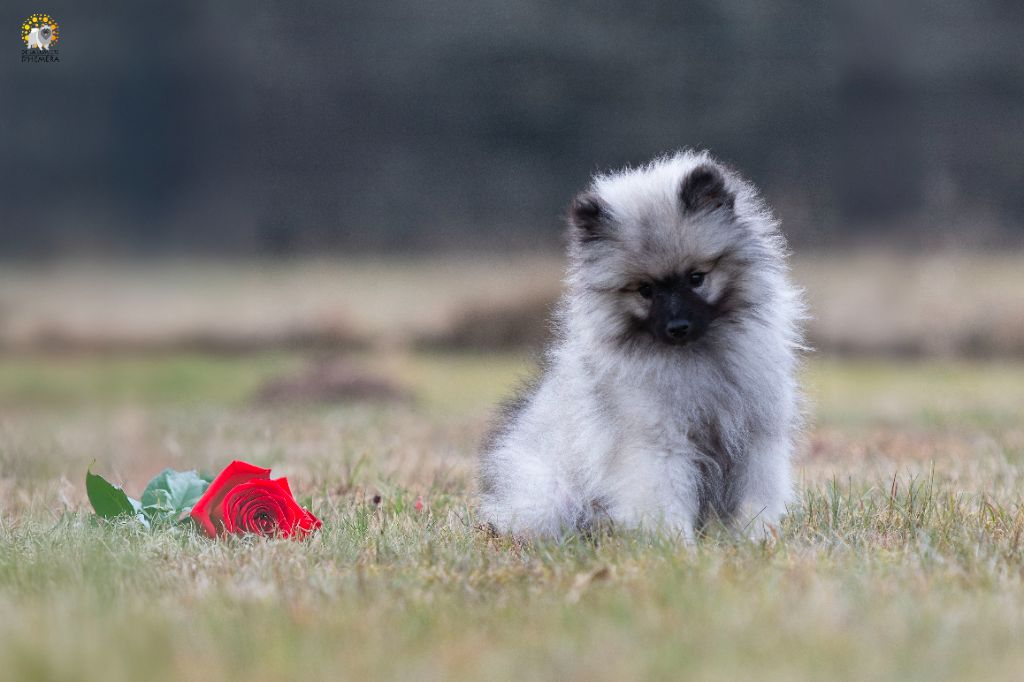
867	303
903	560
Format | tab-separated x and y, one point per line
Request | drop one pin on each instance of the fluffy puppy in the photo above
669	398
40	37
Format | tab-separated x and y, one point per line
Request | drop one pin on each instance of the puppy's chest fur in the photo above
678	425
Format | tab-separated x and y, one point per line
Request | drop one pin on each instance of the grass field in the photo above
903	560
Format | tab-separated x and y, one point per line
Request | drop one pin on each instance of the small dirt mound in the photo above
330	382
504	326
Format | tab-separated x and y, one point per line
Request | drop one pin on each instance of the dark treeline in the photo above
260	127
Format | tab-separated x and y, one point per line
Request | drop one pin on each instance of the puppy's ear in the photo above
704	190
588	218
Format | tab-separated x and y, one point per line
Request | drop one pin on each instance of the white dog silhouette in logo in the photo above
40	37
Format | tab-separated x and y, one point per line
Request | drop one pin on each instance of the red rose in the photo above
243	499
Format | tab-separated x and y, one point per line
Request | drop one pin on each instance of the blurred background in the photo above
260	128
256	205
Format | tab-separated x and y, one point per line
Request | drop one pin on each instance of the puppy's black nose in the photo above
677	330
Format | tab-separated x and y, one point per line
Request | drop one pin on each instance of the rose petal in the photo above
307	521
271	497
237	502
235	506
260	516
207	511
294	511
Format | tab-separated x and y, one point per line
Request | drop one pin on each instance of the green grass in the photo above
36	381
903	560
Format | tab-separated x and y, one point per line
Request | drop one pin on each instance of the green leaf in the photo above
172	493
109	501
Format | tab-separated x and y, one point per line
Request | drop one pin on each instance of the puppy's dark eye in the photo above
695	279
645	290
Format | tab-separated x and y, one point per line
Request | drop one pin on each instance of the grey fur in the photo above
630	426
